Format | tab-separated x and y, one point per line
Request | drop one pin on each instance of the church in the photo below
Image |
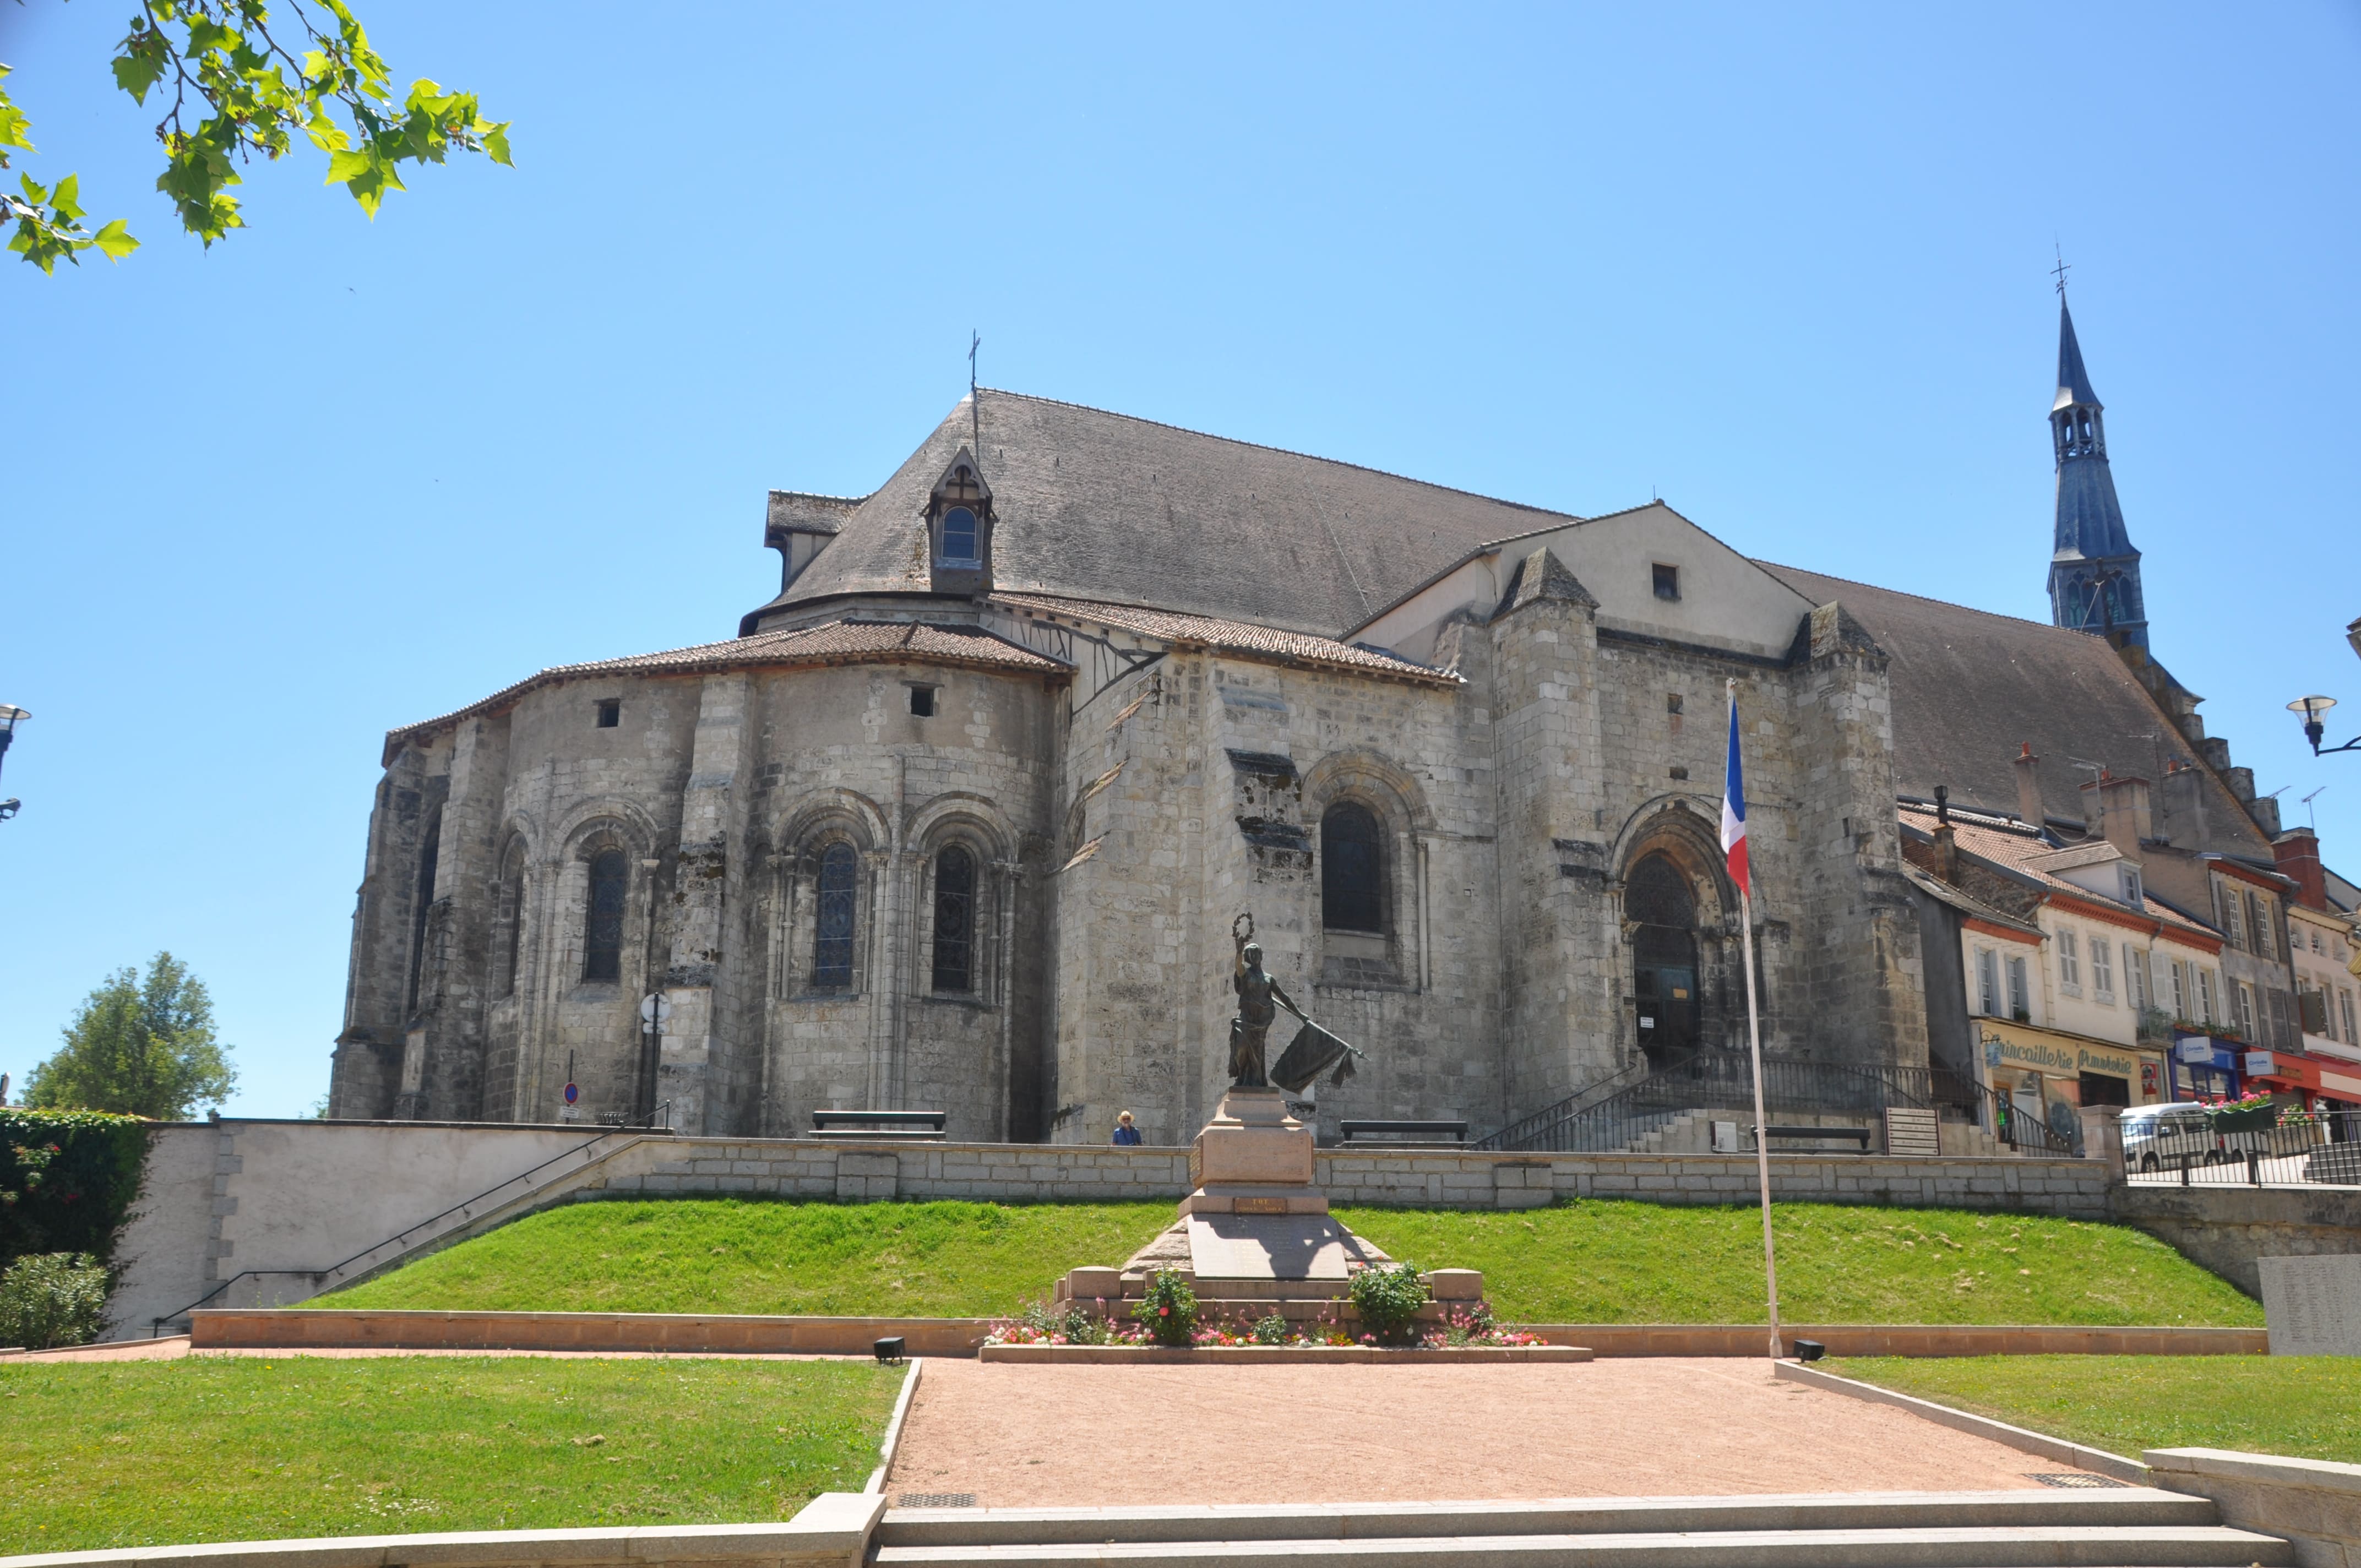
960	821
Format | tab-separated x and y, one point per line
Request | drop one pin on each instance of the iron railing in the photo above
1614	1114
2188	1150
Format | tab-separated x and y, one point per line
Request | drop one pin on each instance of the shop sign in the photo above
2196	1049
2258	1065
2062	1056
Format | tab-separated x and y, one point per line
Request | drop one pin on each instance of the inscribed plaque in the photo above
2312	1305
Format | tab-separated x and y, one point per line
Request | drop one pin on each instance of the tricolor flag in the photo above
1733	805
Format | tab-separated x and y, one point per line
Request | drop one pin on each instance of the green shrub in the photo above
1389	1299
67	1180
53	1298
1170	1308
1273	1330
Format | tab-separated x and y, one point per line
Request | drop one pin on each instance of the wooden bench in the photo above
1403	1132
1860	1136
926	1124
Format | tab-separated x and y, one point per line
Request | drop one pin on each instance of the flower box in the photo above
2243	1118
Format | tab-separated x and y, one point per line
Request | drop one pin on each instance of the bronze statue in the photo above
1311	1051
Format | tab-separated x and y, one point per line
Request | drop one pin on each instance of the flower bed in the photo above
1471	1327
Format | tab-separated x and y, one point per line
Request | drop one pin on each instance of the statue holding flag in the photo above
1312	1051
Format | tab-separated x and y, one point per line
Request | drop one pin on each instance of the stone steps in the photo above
2113	1527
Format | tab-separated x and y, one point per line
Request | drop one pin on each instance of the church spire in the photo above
2094	582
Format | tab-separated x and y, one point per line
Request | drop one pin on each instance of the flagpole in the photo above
1754	1052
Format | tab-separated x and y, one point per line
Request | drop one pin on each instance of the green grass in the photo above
101	1455
2307	1406
689	1255
1612	1262
1601	1262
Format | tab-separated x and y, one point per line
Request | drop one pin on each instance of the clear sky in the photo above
1791	272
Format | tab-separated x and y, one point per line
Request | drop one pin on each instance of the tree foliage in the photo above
68	1179
237	86
138	1048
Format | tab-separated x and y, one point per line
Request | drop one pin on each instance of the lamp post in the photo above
10	715
2312	707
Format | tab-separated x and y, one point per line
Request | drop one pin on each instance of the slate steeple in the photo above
2094	582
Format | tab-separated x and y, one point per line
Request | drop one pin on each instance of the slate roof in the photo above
1228	636
1101	506
2018	851
1970	686
2073	381
847	641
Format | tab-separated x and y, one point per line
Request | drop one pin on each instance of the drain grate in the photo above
935	1501
2072	1478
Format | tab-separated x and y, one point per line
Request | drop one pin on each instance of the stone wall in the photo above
2227	1228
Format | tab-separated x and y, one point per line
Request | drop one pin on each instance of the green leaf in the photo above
116	240
496	144
346	167
135	71
325	133
63	197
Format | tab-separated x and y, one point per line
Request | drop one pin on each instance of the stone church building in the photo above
961	819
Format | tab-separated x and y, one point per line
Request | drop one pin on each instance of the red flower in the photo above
1163	1311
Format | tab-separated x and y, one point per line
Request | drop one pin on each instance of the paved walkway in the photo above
1097	1436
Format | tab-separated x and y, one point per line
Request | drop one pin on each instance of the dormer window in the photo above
959	519
959	537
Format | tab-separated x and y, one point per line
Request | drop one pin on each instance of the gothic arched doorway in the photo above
1658	902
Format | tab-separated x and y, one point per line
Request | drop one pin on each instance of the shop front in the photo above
2206	1068
2049	1076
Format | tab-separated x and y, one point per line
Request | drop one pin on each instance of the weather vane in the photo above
975	412
2060	270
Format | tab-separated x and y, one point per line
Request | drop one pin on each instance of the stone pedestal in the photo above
1252	1158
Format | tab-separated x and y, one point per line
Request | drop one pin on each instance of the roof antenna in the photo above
975	412
2311	816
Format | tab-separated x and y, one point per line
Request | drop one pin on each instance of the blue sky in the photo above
1789	271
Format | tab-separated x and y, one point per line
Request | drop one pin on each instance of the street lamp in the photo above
2312	707
9	716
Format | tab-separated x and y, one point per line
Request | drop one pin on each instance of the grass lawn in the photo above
1590	1262
102	1454
1616	1262
695	1255
2307	1406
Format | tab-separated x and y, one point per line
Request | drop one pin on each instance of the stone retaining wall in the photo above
2225	1229
717	1334
1400	1177
2313	1503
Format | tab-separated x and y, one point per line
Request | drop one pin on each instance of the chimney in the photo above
1947	839
2029	808
2298	853
2122	814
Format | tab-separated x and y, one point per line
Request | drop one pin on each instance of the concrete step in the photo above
2030	1507
1998	1546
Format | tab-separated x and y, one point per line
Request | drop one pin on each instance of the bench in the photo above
1860	1136
1403	1132
927	1125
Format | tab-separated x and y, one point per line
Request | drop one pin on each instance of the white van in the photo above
2156	1137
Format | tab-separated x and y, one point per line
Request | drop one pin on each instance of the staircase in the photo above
1664	1109
2105	1527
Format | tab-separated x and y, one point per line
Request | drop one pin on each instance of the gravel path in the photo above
1098	1436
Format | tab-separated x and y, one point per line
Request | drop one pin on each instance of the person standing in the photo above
1125	1135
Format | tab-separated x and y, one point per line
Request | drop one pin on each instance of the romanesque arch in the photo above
1678	922
1365	814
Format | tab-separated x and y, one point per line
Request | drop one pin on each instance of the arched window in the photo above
958	534
955	920
1352	869
512	917
602	932
421	900
833	941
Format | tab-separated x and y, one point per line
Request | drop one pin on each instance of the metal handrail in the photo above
644	1124
1612	1116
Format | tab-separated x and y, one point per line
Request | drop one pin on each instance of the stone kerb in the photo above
833	1529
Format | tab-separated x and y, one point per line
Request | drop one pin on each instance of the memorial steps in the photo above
2101	1527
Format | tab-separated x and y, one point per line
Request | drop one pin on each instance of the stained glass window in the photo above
603	937
833	945
1352	869
955	920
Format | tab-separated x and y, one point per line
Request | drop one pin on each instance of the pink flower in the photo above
1163	1311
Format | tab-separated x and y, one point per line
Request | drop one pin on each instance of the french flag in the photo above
1733	807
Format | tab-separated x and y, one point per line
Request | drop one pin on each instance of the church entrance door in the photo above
1657	900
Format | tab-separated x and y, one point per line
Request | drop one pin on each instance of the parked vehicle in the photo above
2156	1137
